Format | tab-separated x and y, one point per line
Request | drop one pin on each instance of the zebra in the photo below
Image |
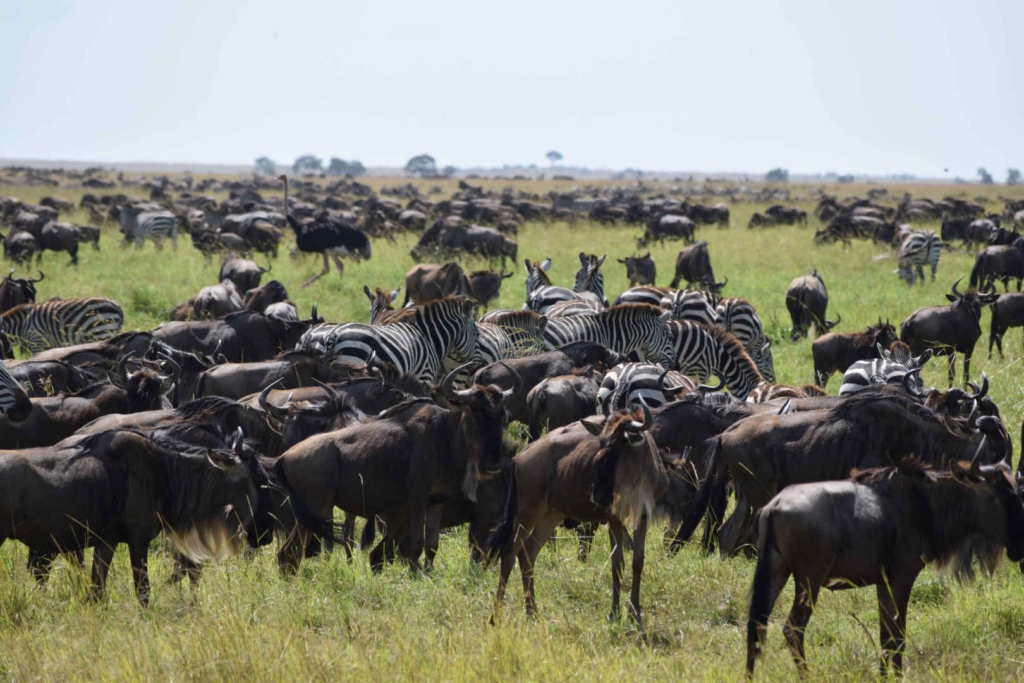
891	367
415	342
380	304
14	402
156	225
918	248
695	306
643	295
739	318
315	340
701	351
590	279
62	322
625	328
627	385
541	294
564	309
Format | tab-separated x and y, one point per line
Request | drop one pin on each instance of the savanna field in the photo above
337	621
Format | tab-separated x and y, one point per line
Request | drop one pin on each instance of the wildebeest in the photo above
999	263
787	215
123	487
415	454
17	291
259	298
244	273
429	282
807	301
289	370
693	264
880	528
47	378
484	285
616	478
56	236
558	401
246	336
212	301
948	330
640	269
668	226
1007	312
835	351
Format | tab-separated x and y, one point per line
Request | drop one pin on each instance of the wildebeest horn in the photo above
505	277
175	375
270	266
707	388
974	409
269	407
976	461
983	390
635	426
517	380
956	292
118	376
447	389
661	383
911	386
41	277
332	395
238	441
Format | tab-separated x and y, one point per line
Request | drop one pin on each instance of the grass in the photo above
337	621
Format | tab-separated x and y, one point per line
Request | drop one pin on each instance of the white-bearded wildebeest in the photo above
245	336
836	351
1007	312
693	264
617	478
880	529
999	263
806	301
244	273
17	291
122	487
765	453
431	281
948	330
213	301
415	454
640	269
558	401
49	377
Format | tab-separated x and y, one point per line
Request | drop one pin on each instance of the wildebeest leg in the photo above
639	539
348	532
968	352
729	533
417	522
585	536
101	559
950	366
138	551
185	567
893	598
39	564
292	550
528	557
617	535
433	534
803	606
508	560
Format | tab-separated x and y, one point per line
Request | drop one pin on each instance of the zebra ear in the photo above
600	261
545	265
394	294
665	317
583	259
366	291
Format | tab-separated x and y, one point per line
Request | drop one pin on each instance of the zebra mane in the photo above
732	346
540	273
519	319
414	312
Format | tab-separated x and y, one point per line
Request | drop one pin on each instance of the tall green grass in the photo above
337	621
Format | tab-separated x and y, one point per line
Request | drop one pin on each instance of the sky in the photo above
934	89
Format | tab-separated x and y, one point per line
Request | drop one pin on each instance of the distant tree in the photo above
422	164
1012	176
777	175
554	156
985	176
848	178
449	171
308	163
266	166
341	167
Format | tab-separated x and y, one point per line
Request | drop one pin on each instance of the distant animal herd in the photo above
239	422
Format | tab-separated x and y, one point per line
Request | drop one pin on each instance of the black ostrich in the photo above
325	237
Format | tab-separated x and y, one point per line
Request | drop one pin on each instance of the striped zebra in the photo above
416	342
156	225
14	402
628	384
702	351
315	340
380	304
564	309
646	294
62	322
695	306
918	248
739	318
508	334
626	328
541	294
589	279
891	368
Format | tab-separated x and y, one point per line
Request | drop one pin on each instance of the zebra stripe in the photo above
62	322
415	342
381	310
739	318
643	295
541	294
589	278
564	309
155	225
865	373
703	351
626	328
918	248
629	384
12	394
695	306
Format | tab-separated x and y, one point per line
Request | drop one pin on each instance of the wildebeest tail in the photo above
369	534
976	273
761	592
537	410
714	476
505	532
324	528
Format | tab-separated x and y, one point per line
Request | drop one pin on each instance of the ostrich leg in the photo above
327	269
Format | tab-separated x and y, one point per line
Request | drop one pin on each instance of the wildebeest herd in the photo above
238	421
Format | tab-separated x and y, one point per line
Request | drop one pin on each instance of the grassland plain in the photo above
337	621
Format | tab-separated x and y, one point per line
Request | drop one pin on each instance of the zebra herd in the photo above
59	322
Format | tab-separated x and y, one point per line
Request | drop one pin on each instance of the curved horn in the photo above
269	407
41	276
447	388
646	424
517	380
974	410
118	376
955	290
910	386
270	267
976	461
332	395
707	388
980	392
175	375
238	442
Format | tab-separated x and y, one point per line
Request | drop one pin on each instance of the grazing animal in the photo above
56	236
17	291
880	528
62	322
668	226
836	351
999	263
430	282
640	270
693	264
562	400
643	295
630	385
381	310
919	248
139	225
693	305
739	318
244	273
807	301
622	329
1007	312
214	301
246	336
260	298
485	285
705	351
616	477
948	330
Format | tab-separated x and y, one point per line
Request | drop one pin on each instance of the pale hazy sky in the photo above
872	86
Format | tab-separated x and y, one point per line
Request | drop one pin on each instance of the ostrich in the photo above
325	237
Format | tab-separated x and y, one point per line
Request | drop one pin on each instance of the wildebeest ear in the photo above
622	260
223	460
592	427
952	297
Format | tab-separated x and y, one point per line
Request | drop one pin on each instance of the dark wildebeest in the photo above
1007	312
668	226
558	401
49	377
54	418
289	370
484	285
416	454
765	453
122	487
999	263
640	269
20	246
760	220
836	351
244	273
533	369
429	282
787	215
880	528
213	301
57	236
693	264
807	301
247	336
948	330
17	291
616	478
259	298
